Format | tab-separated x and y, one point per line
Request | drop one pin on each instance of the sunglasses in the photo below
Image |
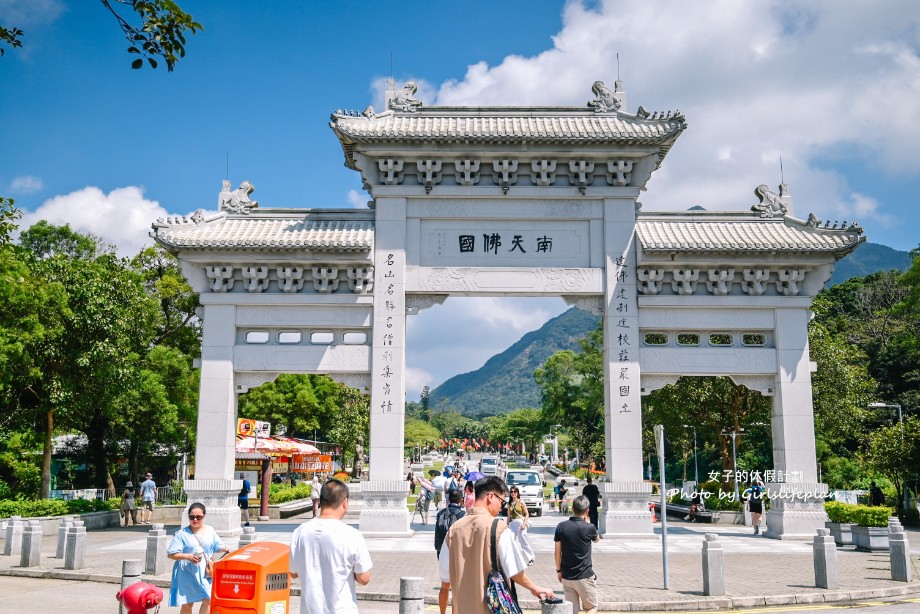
195	517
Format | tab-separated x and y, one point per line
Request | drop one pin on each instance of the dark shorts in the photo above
243	503
755	506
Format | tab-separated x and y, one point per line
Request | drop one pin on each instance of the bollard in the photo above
556	606
66	523
248	536
899	553
825	556
75	546
713	566
31	545
157	540
411	595
130	574
13	545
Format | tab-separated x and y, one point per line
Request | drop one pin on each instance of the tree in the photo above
894	452
163	279
296	403
419	433
351	427
160	32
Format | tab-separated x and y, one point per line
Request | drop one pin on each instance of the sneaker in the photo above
756	529
246	525
686	517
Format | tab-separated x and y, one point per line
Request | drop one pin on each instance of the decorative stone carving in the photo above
220	278
754	281
429	173
360	381
504	173
361	279
771	204
177	220
605	100
467	172
720	281
255	278
758	383
325	279
592	304
403	99
580	174
650	280
789	280
619	172
246	380
290	278
813	221
391	171
684	281
418	302
543	172
562	280
448	279
238	201
651	383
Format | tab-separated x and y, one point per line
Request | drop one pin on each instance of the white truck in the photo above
531	484
488	465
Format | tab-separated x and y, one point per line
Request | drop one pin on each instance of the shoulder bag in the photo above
500	593
208	562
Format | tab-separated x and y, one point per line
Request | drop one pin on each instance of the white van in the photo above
488	465
530	483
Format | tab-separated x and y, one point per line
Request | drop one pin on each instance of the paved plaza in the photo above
759	571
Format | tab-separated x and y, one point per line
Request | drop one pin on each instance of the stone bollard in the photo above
31	545
899	553
75	546
556	606
130	574
13	544
825	557
155	559
411	595
66	523
248	536
713	566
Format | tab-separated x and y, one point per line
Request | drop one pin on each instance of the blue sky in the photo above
831	87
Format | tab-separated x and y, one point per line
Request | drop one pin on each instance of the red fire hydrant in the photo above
140	596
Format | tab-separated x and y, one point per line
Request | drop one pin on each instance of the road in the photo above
18	595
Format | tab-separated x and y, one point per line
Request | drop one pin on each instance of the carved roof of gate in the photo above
505	126
292	229
721	232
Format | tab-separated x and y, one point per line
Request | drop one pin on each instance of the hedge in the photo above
51	507
289	493
864	515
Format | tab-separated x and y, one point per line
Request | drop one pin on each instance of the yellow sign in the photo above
245	427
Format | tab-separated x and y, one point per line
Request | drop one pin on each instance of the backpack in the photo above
445	519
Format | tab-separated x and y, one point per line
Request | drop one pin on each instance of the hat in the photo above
130	484
433	472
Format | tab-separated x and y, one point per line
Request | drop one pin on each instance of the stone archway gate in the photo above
508	201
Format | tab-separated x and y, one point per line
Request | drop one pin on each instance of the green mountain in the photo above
869	258
506	381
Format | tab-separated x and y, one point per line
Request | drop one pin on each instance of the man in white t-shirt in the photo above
439	482
329	556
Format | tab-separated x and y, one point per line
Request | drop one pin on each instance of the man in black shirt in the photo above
594	499
573	557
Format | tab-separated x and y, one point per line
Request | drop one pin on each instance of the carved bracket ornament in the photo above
289	279
720	282
592	304
418	302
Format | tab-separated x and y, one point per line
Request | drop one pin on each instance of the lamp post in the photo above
901	421
733	433
696	467
555	441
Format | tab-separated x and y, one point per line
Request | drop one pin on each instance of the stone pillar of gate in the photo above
625	510
385	512
214	485
797	501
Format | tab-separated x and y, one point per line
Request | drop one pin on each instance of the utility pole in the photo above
696	467
733	433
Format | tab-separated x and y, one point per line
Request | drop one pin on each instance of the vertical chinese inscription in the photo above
389	334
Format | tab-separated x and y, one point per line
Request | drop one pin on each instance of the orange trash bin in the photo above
253	580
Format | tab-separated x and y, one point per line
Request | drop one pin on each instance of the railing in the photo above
166	495
80	493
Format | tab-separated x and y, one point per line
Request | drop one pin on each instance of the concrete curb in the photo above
708	603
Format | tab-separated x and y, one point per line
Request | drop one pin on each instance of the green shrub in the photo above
869	516
840	512
725	503
289	493
51	507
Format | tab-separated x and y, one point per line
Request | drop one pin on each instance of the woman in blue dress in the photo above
191	548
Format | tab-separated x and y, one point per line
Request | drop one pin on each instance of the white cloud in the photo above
26	184
756	81
357	199
20	13
416	379
122	217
